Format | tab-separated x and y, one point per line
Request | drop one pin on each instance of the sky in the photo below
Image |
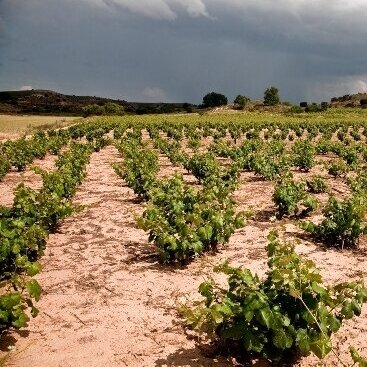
179	50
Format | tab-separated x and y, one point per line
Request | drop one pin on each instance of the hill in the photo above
350	100
38	101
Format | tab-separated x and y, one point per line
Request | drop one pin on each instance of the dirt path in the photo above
107	301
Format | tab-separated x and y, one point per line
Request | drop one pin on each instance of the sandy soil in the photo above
107	301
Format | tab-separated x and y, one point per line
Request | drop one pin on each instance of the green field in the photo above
335	114
19	124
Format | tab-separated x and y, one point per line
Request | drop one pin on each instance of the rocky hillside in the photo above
49	102
350	100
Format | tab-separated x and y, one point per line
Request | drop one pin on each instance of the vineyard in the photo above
214	240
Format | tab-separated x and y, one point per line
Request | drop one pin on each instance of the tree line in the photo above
214	99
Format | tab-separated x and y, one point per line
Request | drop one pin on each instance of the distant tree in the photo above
214	99
112	108
167	108
271	96
324	105
187	107
93	110
241	101
314	107
363	102
303	104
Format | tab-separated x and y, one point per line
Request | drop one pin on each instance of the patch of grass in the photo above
23	124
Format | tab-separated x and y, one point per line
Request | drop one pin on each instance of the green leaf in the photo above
16	248
33	269
34	311
217	316
239	221
196	246
208	232
224	308
321	347
303	341
21	319
251	342
4	316
34	289
282	340
272	236
249	314
11	300
356	307
206	290
334	323
357	358
347	310
318	289
265	317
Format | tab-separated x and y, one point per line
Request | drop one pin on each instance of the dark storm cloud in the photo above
177	50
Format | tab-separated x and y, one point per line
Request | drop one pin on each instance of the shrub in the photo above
241	101
268	167
112	108
350	155
343	223
183	222
359	183
338	168
303	155
291	198
139	168
316	185
323	146
5	166
314	107
93	110
203	166
296	109
290	312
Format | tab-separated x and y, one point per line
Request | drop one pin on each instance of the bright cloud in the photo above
154	94
26	87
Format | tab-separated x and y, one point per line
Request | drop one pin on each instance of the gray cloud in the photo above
181	49
154	94
157	9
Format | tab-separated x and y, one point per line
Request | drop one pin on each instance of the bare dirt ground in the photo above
107	301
